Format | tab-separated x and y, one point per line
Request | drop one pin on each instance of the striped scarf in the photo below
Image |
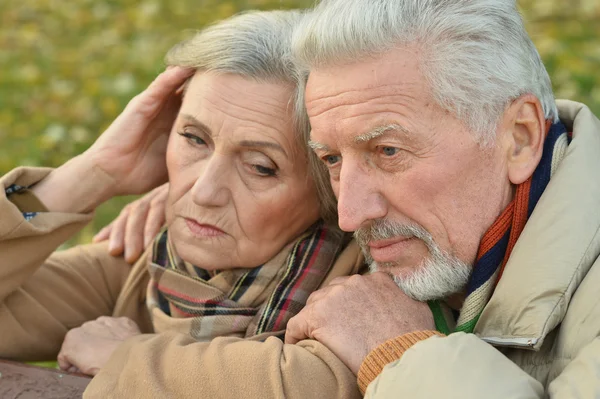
238	302
498	242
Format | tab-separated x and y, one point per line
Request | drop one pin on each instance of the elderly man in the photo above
466	184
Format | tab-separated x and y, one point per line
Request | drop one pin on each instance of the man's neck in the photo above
455	301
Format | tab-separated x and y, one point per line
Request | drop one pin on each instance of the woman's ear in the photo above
524	132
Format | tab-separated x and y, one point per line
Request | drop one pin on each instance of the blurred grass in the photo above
67	68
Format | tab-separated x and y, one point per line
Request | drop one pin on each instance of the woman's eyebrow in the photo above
191	119
262	144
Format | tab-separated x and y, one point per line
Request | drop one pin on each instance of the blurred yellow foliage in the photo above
67	68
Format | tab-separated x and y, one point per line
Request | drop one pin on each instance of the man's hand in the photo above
86	349
353	315
137	225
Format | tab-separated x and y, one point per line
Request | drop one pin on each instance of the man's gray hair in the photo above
257	45
475	54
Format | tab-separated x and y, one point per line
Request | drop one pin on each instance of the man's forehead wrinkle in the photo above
377	89
324	104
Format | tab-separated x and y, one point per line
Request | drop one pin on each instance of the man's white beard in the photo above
437	277
433	279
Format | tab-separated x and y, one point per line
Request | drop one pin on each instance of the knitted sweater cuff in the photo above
386	353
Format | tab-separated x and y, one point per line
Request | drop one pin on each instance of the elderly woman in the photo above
246	241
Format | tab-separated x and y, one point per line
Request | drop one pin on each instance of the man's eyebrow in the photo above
191	119
317	146
262	144
380	131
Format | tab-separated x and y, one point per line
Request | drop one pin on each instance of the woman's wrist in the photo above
78	186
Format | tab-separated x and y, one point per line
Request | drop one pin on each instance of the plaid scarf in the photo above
239	302
498	242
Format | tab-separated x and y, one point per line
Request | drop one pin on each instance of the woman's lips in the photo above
390	250
203	230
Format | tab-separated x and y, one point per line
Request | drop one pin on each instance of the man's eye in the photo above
264	171
331	160
192	138
389	151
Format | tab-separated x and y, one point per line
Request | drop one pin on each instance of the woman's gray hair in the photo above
257	45
475	54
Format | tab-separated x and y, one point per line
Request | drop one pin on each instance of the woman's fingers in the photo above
151	100
63	362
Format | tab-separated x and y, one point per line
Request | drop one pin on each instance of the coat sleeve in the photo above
464	366
174	365
44	293
460	365
579	380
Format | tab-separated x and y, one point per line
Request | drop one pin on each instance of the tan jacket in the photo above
539	335
44	293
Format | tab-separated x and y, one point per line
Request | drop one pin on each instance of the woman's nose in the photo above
211	186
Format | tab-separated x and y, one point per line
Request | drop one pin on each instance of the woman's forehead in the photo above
234	107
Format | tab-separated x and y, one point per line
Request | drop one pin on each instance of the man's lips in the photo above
203	230
389	250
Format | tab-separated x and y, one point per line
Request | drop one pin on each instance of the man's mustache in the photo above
382	229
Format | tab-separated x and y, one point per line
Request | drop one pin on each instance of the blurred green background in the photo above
67	68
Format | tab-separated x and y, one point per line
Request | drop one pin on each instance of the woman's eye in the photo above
389	151
264	171
192	138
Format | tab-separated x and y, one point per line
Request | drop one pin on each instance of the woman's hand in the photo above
86	349
137	225
132	150
128	158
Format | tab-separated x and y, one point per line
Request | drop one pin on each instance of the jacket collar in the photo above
556	249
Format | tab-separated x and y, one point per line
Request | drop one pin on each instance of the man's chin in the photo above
429	280
395	270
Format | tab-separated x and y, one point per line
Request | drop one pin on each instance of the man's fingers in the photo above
297	329
156	215
103	234
116	244
339	280
134	232
154	222
317	295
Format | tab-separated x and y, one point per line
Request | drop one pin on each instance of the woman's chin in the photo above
206	252
201	255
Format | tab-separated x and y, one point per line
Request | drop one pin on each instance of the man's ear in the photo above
524	132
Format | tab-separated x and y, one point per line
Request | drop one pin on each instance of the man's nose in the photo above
359	197
211	186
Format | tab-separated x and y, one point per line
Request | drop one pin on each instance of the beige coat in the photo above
44	293
539	335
